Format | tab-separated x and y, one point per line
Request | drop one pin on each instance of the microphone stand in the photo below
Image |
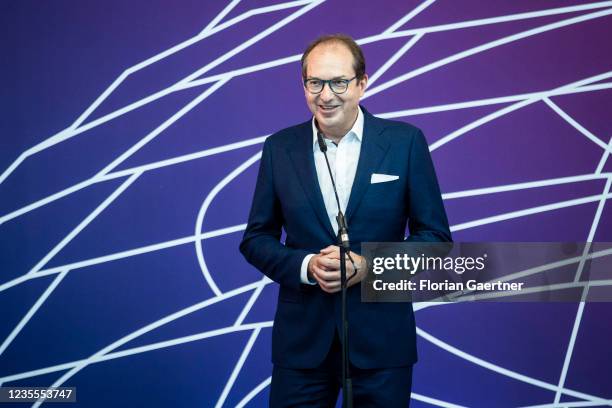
343	243
345	247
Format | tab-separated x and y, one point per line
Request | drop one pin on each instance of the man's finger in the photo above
329	249
331	255
329	276
330	287
327	286
323	272
318	272
329	263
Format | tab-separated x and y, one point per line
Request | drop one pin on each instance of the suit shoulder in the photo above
287	136
401	128
401	132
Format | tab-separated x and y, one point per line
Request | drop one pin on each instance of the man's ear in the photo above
363	83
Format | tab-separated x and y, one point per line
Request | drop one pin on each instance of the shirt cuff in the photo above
304	271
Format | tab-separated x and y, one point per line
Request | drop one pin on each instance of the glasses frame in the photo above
328	82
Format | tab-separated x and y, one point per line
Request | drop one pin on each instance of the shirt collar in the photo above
356	130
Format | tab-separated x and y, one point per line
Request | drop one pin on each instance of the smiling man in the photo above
385	180
335	106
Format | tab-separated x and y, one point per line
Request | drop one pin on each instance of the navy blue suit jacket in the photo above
287	195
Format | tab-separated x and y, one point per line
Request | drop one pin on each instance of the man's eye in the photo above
339	82
314	82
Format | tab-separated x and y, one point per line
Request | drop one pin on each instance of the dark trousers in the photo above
319	387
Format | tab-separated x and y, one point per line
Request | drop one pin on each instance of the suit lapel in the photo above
302	156
373	150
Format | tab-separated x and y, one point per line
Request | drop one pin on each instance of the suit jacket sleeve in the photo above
261	244
427	220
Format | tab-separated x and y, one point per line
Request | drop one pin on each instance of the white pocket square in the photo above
382	178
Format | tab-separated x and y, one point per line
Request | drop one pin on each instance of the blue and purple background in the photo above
130	139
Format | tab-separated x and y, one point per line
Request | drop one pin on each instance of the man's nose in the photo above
326	94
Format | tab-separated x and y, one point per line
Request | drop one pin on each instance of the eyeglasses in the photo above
337	86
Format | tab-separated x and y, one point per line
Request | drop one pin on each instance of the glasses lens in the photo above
339	86
314	85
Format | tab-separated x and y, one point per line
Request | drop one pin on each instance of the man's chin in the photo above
327	121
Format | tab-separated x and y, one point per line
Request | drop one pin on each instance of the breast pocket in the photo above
388	194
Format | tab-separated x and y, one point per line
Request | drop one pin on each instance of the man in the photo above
385	178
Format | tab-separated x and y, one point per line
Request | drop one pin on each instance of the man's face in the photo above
334	113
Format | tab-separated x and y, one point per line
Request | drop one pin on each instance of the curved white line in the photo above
204	208
262	385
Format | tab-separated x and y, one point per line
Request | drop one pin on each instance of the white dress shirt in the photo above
343	160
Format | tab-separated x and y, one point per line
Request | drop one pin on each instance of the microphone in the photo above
322	144
342	228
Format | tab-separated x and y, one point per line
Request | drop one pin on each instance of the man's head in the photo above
338	58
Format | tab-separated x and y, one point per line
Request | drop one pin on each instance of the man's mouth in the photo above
328	108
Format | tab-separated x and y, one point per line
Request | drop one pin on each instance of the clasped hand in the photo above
325	269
